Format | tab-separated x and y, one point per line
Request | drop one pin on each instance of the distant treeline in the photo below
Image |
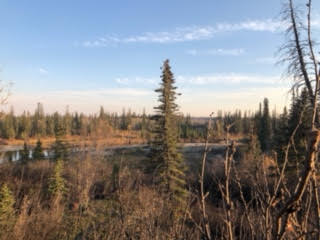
272	130
40	125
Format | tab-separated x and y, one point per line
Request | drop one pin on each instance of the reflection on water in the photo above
15	155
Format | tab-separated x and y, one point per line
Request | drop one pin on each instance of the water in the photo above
10	154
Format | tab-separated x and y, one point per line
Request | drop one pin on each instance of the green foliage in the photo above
281	134
144	126
126	119
115	176
76	125
190	131
23	126
38	151
301	109
8	126
60	148
264	132
39	123
254	148
56	181
7	213
24	153
166	163
49	126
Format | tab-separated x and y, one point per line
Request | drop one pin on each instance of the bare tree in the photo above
299	53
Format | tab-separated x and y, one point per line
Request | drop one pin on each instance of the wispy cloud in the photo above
228	78
207	79
43	71
217	52
192	33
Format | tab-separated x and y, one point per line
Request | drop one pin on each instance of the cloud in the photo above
268	25
191	33
223	79
227	78
217	52
43	71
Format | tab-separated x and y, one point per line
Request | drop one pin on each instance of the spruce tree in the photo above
246	124
67	121
49	126
60	148
301	108
6	211
264	132
144	126
187	127
102	114
38	123
126	119
76	125
57	184
24	153
281	135
166	163
38	151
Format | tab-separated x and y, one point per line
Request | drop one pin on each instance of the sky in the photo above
86	54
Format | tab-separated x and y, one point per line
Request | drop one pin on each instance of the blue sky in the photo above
90	53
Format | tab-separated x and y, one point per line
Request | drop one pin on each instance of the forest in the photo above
229	175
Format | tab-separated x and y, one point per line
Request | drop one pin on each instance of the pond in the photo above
13	153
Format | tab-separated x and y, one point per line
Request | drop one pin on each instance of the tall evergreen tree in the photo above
281	135
38	151
39	124
6	211
24	153
264	132
144	126
124	122
49	126
126	119
67	121
301	108
57	184
102	114
246	124
60	148
166	162
76	125
8	126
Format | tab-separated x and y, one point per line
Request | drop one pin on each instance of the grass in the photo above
114	138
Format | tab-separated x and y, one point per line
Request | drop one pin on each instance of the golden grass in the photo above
117	137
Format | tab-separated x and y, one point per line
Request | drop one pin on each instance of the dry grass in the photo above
115	137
